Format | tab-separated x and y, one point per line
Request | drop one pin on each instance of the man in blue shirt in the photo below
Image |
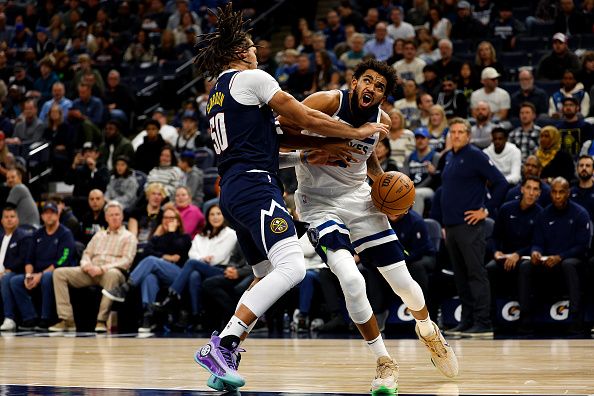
583	193
514	228
559	246
51	247
464	181
14	244
87	106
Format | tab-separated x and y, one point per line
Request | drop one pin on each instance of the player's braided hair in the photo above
225	45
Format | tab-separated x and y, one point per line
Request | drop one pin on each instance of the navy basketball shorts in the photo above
252	203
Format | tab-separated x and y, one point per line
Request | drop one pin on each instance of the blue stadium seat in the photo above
521	13
530	44
549	86
543	30
510	87
462	46
514	60
204	158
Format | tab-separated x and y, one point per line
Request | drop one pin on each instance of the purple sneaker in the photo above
220	361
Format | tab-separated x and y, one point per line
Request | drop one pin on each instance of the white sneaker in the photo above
386	378
8	325
442	354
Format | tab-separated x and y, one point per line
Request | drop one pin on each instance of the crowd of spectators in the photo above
141	212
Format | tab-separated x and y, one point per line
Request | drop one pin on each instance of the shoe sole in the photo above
478	335
382	390
237	383
111	296
218	385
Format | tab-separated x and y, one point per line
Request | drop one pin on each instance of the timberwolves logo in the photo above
279	225
404	313
560	310
511	311
314	236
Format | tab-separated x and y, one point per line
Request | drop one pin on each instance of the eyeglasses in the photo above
169	217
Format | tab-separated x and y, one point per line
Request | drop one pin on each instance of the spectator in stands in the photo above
528	92
586	74
383	153
506	27
411	67
583	192
555	162
193	177
451	99
354	55
192	217
123	24
87	172
463	194
6	157
187	24
526	136
189	137
335	33
553	65
484	11
399	29
466	25
414	236
168	132
486	56
497	98
468	80
87	106
447	64
561	237
574	130
481	132
408	104
165	253
401	139
420	166
424	104
46	80
569	87
326	74
104	262
418	14
381	45
147	154
506	156
439	26
52	246
266	61
15	248
209	255
166	51
571	20
84	66
117	96
29	128
93	219
167	173
115	144
432	84
141	50
176	18
531	167
20	78
59	99
370	21
123	185
62	140
20	197
67	217
513	233
438	129
349	16
146	216
301	81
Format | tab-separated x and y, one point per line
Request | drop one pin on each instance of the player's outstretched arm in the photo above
294	112
374	169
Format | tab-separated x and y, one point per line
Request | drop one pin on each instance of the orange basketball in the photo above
393	193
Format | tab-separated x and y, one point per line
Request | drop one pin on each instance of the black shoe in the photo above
169	304
334	325
28	325
478	331
42	326
459	329
117	293
148	325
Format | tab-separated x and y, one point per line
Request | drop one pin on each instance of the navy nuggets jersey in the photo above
325	179
242	124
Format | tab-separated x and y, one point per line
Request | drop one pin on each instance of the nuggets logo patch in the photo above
278	225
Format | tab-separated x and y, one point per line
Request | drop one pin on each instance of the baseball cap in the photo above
560	37
50	206
159	110
80	24
570	99
422	131
463	4
89	146
188	154
19	27
489	73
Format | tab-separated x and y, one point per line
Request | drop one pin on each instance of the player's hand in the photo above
511	262
342	151
370	128
535	257
552	261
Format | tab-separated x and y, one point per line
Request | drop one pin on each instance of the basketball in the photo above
393	193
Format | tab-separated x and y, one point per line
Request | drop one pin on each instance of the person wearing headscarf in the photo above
555	162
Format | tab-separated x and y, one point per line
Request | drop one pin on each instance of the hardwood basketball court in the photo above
292	365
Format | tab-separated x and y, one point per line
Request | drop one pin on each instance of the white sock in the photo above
378	347
426	327
235	327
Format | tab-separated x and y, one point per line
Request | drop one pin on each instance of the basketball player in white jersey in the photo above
336	203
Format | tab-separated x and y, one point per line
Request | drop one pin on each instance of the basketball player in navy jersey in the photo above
336	203
246	142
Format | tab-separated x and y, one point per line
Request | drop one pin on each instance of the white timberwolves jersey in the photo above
334	180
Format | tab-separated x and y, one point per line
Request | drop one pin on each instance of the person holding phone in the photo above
165	253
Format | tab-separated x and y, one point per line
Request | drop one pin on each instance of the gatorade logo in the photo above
404	314
560	310
511	311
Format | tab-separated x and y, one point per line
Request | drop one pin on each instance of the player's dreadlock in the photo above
225	45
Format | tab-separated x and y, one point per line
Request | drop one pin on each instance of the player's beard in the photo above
361	115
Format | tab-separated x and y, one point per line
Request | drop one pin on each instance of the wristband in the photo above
289	160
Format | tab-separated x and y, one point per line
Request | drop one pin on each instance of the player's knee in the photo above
287	259
353	285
